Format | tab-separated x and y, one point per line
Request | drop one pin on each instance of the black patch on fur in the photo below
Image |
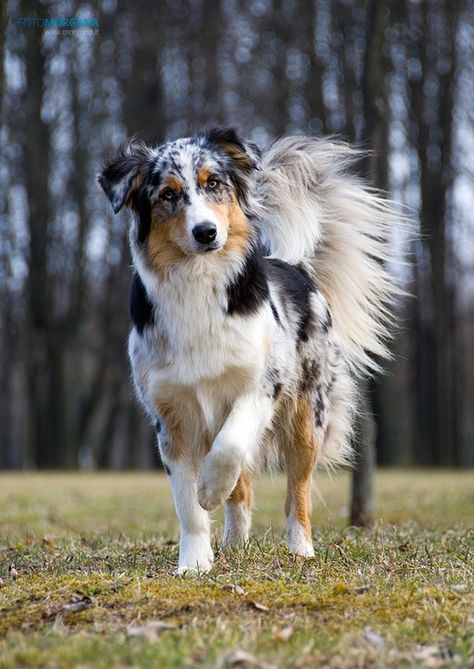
297	285
157	426
275	313
240	162
119	171
327	324
167	469
141	309
277	390
272	377
319	407
142	207
249	289
225	137
154	176
186	198
310	371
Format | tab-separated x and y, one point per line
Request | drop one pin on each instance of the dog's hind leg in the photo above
300	458
238	512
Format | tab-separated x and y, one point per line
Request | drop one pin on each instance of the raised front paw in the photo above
217	480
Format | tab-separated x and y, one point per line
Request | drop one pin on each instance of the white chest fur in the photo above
195	347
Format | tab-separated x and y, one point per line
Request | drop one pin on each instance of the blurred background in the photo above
395	76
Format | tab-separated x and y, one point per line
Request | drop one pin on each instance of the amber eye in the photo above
213	183
167	194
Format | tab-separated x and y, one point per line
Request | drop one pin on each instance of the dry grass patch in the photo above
95	556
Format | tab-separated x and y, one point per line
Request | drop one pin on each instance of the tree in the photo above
373	135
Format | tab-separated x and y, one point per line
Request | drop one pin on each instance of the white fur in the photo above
320	213
297	541
212	368
209	367
195	551
233	449
191	312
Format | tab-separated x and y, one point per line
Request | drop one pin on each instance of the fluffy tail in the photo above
319	213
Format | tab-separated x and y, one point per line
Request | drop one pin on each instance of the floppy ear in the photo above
246	155
122	174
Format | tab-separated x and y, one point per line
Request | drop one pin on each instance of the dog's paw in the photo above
195	556
216	482
298	543
238	519
194	569
302	548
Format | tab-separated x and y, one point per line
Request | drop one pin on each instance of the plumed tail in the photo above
319	213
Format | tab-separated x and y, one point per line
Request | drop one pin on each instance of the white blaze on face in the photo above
198	210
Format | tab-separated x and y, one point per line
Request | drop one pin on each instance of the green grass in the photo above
399	595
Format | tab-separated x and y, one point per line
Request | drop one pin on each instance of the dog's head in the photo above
189	197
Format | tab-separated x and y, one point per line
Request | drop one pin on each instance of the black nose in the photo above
205	233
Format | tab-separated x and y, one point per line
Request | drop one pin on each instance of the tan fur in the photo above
242	493
176	444
172	182
203	175
163	251
241	157
238	228
300	458
134	186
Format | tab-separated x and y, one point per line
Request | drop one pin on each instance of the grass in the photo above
399	595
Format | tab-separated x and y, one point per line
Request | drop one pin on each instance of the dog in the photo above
259	295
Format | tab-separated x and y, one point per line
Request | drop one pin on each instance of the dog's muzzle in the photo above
205	233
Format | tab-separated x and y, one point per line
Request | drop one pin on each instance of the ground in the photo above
92	583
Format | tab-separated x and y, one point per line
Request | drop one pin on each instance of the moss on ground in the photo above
95	556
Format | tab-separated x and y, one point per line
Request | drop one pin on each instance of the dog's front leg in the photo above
234	449
195	551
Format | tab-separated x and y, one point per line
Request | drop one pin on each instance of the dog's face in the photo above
189	196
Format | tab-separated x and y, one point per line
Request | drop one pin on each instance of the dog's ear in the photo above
245	155
123	174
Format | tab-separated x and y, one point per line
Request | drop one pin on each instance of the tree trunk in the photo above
40	450
362	493
374	136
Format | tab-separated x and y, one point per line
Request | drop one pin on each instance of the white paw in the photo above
298	543
217	480
302	548
195	555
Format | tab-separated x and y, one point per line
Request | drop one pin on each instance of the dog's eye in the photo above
167	194
213	183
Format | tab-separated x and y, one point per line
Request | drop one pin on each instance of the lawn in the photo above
94	554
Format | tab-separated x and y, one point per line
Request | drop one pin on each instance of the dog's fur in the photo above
246	345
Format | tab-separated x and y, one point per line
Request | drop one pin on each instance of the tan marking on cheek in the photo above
300	457
242	493
163	251
221	211
236	223
238	238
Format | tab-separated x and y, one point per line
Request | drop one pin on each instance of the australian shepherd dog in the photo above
259	295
